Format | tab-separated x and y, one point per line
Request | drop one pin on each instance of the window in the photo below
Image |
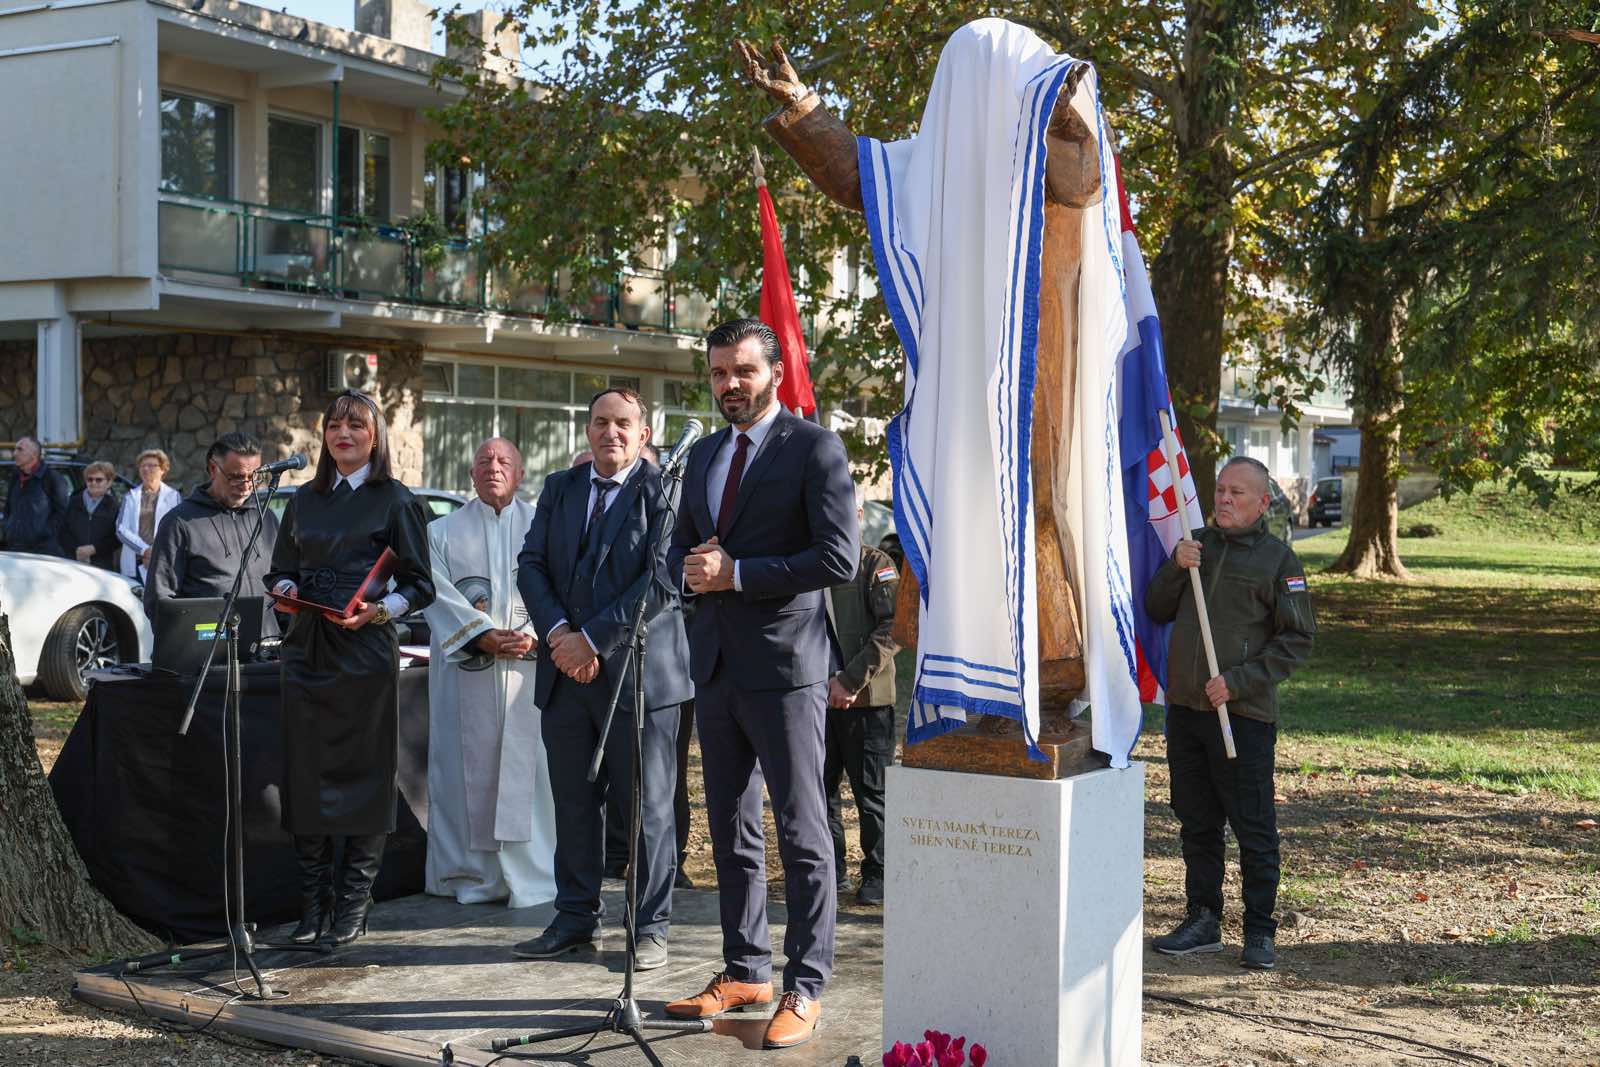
447	192
196	146
294	165
363	174
542	411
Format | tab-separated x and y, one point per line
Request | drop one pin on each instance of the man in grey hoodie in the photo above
200	542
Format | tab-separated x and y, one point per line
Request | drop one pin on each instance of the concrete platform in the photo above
433	982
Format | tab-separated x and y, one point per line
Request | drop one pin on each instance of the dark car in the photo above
1280	513
70	466
1325	505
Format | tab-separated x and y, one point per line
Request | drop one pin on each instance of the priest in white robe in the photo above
491	815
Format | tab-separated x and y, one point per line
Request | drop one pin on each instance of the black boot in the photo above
315	857
362	855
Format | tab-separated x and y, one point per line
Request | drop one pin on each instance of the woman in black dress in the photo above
339	689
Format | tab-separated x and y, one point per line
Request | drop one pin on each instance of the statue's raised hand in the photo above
775	74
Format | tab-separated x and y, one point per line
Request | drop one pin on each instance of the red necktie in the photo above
730	488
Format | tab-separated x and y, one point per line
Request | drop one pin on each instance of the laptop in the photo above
186	627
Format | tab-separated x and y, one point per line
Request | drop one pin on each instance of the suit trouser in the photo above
680	798
860	745
776	736
1208	790
571	726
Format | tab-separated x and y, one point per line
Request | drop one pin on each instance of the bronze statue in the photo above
826	150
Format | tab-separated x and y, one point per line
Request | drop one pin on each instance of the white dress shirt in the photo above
396	604
722	462
621	478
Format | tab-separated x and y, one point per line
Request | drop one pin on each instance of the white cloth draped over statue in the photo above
956	218
491	815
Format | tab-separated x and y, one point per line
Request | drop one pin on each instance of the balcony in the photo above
262	247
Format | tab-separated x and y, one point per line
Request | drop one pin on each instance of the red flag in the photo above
778	311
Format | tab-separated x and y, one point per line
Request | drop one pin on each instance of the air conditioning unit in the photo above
349	369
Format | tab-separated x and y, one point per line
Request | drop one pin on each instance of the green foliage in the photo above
640	131
1463	205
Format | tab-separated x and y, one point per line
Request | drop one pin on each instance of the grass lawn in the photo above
1482	670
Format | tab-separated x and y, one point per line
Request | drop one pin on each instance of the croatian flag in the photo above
1148	494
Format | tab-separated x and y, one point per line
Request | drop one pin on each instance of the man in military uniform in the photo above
860	730
1262	624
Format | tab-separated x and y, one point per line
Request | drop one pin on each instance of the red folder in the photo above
372	588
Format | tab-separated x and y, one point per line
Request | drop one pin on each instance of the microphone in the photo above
680	451
296	462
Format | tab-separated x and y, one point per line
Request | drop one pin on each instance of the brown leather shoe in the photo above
794	1022
723	994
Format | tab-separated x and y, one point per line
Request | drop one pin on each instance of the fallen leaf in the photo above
1455	933
1420	897
1585	824
1277	798
1358	865
1405	935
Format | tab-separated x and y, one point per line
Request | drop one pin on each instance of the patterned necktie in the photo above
730	488
602	489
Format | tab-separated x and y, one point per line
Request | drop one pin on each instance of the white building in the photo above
200	202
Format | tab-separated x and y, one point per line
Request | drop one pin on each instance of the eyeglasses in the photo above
239	479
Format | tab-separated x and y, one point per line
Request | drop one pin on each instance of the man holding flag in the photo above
1262	622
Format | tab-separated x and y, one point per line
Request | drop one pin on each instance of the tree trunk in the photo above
44	887
1190	281
1373	550
1190	274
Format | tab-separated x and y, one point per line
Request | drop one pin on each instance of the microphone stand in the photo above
623	1016
241	934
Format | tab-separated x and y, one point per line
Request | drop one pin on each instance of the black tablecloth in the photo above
146	807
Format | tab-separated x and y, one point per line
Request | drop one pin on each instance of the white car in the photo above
68	619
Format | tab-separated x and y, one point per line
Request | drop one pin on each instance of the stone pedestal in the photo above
1014	914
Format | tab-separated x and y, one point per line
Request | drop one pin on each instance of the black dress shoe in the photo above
1259	953
682	880
617	868
871	891
650	952
1201	931
554	942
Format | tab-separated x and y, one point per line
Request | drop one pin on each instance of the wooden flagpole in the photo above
1169	448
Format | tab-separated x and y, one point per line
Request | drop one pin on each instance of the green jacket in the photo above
1261	619
863	616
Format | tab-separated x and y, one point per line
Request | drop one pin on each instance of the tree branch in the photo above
1245	177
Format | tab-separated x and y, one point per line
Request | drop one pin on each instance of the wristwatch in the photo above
382	616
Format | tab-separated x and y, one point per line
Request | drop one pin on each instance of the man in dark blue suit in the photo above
767	524
582	568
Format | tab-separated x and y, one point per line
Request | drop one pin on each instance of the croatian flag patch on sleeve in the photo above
889	574
1294	584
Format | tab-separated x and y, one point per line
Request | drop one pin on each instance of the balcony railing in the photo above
270	248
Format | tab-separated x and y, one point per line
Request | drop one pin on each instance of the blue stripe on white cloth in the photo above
1006	671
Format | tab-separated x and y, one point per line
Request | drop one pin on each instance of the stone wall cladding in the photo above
178	391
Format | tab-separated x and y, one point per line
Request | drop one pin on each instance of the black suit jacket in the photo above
794	534
548	575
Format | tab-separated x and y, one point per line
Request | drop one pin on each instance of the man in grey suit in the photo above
767	524
581	571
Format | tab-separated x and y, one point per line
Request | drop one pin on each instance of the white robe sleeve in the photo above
453	622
